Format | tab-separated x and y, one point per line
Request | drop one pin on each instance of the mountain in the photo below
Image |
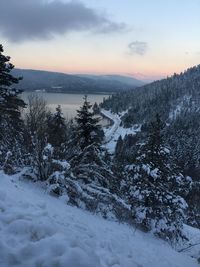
119	78
65	83
177	100
40	230
164	97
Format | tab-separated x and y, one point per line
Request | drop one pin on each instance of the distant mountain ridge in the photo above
120	78
68	83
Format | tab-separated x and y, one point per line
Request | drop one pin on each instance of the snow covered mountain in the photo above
39	230
177	100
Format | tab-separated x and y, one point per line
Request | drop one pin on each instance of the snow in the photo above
37	229
113	132
179	107
193	235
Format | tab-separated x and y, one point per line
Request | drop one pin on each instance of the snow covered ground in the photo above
37	230
113	132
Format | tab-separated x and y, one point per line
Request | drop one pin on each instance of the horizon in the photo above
145	40
136	76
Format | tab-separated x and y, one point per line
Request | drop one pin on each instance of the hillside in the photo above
160	96
177	100
39	230
60	82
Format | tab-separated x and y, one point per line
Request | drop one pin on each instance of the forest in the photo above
150	182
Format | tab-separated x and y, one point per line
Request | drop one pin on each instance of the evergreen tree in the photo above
10	103
154	148
90	167
57	128
96	108
155	189
119	155
11	136
88	131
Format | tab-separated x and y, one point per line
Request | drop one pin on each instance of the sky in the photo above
147	39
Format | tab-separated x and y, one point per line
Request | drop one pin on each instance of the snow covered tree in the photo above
90	167
57	136
10	103
88	131
119	150
11	125
96	108
154	149
56	128
154	206
36	119
193	199
155	189
36	134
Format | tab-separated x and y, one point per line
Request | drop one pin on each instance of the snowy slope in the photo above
113	132
37	230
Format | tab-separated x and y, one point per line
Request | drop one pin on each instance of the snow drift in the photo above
39	230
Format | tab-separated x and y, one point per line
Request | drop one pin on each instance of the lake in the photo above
68	102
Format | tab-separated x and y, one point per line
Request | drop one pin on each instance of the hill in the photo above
66	83
119	78
177	100
40	230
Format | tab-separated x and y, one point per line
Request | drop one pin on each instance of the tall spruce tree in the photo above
153	149
88	164
10	103
57	133
119	150
57	128
88	131
11	138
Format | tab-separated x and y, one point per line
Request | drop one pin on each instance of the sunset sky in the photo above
148	39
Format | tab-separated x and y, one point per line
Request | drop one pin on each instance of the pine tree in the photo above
10	103
153	149
90	167
96	108
57	128
88	131
11	125
155	189
119	150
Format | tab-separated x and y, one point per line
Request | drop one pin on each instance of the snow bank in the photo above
37	230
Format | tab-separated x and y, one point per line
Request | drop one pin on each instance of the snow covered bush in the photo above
154	206
95	199
90	167
57	180
193	199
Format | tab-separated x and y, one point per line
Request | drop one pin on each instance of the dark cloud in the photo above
139	48
38	19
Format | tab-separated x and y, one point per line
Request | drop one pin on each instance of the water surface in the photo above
68	102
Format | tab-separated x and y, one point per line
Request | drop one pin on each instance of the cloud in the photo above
22	20
139	48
